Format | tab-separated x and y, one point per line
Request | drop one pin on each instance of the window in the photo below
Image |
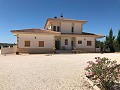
79	42
89	43
58	28
66	41
27	43
54	28
41	43
72	29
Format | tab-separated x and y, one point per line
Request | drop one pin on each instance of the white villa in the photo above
59	34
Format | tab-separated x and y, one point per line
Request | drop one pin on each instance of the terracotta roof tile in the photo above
83	33
66	19
63	19
34	31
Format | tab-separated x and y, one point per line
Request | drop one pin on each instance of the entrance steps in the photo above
70	51
79	51
63	51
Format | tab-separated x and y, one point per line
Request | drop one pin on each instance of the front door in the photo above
57	45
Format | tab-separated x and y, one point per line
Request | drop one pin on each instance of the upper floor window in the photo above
58	28
27	43
79	42
54	28
89	43
72	29
66	41
41	43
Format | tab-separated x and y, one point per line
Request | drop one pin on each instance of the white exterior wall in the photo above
77	28
34	43
84	42
56	24
8	50
66	27
97	50
63	42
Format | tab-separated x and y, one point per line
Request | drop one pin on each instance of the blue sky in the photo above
20	14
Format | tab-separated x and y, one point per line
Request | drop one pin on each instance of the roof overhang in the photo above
99	36
35	31
81	35
49	20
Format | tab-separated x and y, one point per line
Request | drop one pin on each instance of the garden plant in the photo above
105	73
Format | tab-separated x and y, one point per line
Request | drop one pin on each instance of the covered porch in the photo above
65	43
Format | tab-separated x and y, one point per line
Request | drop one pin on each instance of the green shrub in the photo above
103	72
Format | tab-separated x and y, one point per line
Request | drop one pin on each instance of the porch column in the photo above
74	42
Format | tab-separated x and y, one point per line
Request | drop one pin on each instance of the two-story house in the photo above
58	34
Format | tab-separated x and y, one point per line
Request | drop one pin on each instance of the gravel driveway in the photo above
46	72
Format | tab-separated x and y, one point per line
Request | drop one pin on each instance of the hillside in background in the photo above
7	44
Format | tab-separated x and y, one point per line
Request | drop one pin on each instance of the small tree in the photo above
110	40
118	39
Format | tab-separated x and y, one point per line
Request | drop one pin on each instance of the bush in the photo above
103	72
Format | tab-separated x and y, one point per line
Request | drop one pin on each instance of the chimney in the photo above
55	17
61	17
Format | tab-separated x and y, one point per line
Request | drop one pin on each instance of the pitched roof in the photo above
84	33
40	31
98	35
37	31
64	19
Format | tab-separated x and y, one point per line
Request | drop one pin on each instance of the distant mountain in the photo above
6	44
